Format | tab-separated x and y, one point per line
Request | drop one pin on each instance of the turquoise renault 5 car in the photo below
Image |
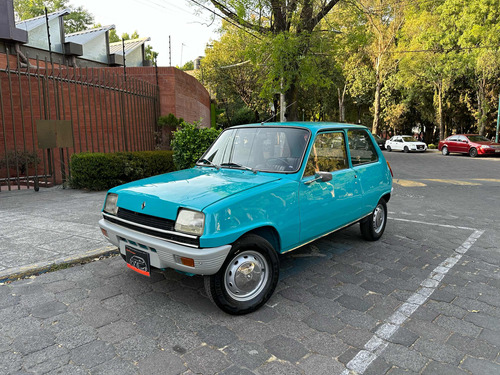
259	191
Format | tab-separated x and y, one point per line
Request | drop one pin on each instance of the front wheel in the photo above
373	226
406	149
389	148
473	152
247	278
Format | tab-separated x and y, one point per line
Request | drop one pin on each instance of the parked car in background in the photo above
259	191
405	143
380	141
472	144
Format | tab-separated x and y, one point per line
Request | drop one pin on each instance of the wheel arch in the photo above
269	233
386	197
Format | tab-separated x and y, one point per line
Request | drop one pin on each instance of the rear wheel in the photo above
473	152
406	149
247	278
445	151
373	226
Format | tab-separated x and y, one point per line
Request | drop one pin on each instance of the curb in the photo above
35	269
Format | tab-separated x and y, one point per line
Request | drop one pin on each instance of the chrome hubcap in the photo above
246	275
378	218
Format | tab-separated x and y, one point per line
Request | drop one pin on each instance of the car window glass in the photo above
328	154
361	147
268	149
461	138
452	139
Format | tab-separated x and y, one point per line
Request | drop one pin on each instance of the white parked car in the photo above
404	143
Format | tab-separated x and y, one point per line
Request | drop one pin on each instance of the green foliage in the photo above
79	19
187	66
190	142
170	121
431	146
99	171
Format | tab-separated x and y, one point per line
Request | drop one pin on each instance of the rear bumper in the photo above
164	254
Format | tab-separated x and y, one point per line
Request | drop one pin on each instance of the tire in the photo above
445	151
247	278
373	226
406	149
473	152
389	148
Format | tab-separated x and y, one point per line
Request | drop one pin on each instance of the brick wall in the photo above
103	119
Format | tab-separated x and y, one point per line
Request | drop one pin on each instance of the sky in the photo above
158	19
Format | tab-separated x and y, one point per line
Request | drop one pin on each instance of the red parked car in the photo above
472	144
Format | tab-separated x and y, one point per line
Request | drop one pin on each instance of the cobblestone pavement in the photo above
424	299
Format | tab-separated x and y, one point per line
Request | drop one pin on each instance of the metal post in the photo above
124	63
48	35
169	51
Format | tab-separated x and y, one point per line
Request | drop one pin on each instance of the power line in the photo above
444	50
225	18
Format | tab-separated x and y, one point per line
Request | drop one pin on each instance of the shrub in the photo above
25	160
431	146
98	171
190	142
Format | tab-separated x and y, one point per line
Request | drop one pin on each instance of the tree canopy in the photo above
400	66
79	19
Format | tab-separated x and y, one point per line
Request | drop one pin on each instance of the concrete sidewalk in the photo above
42	230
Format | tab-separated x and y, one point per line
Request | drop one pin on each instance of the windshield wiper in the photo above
210	164
236	165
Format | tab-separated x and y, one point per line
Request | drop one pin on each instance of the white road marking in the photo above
379	341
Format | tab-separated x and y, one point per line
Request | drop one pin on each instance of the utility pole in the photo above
169	51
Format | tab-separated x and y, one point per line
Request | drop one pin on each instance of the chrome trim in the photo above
326	234
150	228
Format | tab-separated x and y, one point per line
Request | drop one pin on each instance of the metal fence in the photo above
106	111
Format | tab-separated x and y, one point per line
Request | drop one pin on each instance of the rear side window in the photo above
361	147
328	154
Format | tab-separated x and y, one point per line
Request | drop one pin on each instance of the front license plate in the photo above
138	261
497	150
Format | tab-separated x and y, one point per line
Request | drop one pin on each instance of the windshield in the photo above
477	138
409	139
268	149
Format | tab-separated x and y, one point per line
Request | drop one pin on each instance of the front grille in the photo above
150	221
420	147
153	223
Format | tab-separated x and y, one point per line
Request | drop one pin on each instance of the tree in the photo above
287	27
79	19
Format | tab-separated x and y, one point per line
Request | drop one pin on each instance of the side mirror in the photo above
323	176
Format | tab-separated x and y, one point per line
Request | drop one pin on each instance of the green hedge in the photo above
98	171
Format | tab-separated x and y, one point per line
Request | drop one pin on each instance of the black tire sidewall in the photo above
216	283
366	225
473	152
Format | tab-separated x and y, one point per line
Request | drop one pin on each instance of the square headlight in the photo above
190	222
110	205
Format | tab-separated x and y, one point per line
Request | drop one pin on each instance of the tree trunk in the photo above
439	88
341	104
376	107
480	107
291	102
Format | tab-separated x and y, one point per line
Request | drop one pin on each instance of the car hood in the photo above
194	188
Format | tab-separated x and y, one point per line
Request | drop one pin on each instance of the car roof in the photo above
313	126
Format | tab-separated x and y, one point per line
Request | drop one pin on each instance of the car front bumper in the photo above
164	254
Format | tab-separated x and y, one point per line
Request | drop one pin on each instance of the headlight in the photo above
486	146
110	205
190	222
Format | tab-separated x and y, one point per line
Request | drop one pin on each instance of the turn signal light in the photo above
187	261
105	232
392	174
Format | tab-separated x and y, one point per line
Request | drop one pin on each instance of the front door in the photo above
327	205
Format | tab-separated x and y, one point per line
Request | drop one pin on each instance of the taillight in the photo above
392	174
